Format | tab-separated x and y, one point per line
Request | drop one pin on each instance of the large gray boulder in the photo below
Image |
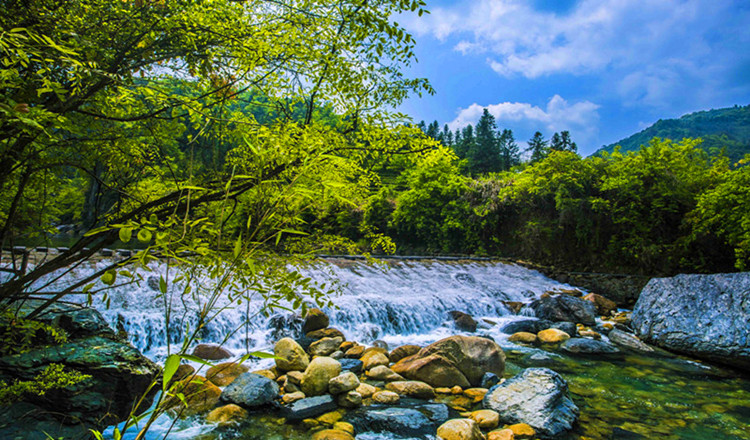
536	396
565	308
706	316
251	391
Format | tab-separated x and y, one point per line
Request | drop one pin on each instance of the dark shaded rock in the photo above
397	420
588	346
628	340
536	396
706	316
211	352
623	434
603	305
526	325
463	321
315	319
353	365
473	356
566	326
309	407
565	308
120	375
489	380
251	391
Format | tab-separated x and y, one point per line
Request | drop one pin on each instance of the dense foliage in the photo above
726	129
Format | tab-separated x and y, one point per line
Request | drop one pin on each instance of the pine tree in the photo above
555	143
537	147
485	156
509	151
446	136
567	143
433	130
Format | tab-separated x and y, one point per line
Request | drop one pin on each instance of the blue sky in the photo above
602	69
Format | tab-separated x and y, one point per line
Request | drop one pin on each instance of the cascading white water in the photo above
397	302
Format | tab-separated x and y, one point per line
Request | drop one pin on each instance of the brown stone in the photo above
325	346
223	374
346	345
472	355
403	351
317	375
374	356
183	371
211	352
355	352
514	306
385	397
200	395
523	337
381	372
501	434
460	429
344	426
412	388
266	373
366	390
522	430
329	332
552	336
485	418
603	305
292	397
227	414
459	402
433	369
315	319
475	394
332	434
291	356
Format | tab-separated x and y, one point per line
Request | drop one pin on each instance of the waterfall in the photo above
397	302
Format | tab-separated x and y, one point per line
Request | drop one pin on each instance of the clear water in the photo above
657	396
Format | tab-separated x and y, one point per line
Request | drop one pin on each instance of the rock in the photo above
317	374
522	430
589	334
293	356
200	396
329	332
513	306
332	434
385	397
183	371
266	373
537	396
434	370
588	346
227	414
350	399
523	337
463	322
381	344
343	383
457	390
354	352
568	327
412	388
472	355
374	356
338	355
475	394
706	316
366	390
285	325
325	346
526	325
565	308
292	397
403	351
485	418
308	407
346	345
489	380
501	434
460	429
315	319
603	305
353	365
402	422
211	352
119	377
344	426
251	390
223	374
383	373
628	340
295	377
552	336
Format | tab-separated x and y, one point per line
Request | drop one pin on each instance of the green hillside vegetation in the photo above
726	129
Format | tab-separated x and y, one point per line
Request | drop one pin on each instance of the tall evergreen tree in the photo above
433	130
485	156
537	147
467	143
509	151
447	136
566	142
555	143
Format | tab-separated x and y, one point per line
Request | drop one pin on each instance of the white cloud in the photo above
580	118
644	51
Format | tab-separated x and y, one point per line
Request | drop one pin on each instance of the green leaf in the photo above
191	358
238	247
126	234
170	367
144	235
109	277
262	355
162	285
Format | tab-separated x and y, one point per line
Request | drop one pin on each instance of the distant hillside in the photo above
723	128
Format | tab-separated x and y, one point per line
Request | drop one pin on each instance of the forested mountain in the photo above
722	128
